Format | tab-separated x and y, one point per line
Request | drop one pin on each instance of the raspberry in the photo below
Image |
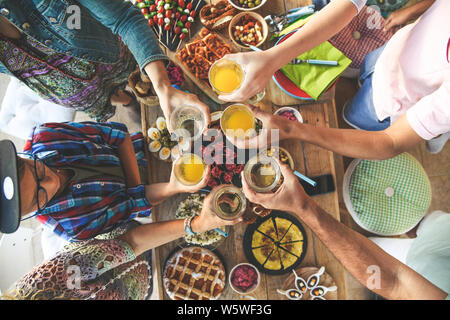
212	182
238	168
216	172
227	177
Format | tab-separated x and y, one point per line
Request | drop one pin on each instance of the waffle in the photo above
194	273
200	54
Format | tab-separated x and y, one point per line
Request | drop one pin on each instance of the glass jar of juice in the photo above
189	169
225	76
238	121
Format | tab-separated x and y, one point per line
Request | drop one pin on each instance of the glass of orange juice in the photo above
189	169
226	76
237	121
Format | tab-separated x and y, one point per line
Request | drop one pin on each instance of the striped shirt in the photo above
91	206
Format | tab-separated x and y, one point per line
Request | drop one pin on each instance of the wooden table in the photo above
309	159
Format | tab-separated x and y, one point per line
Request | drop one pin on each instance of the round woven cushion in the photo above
387	197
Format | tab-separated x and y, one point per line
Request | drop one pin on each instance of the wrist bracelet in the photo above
187	225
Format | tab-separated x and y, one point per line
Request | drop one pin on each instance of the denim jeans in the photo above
360	111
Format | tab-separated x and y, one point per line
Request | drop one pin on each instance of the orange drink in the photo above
225	76
189	169
238	121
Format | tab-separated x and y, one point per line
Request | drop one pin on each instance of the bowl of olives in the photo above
247	5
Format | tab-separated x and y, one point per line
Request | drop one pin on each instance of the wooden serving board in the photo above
201	84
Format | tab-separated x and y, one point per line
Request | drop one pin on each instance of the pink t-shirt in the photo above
412	75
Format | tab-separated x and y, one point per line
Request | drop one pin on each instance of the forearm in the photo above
157	73
326	23
416	10
158	192
152	235
129	163
360	257
372	145
376	145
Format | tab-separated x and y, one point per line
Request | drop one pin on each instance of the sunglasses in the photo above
41	193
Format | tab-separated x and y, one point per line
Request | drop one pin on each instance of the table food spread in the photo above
261	252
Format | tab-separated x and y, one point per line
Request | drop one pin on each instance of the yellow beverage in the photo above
225	76
237	120
189	169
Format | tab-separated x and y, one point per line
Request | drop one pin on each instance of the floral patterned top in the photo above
65	80
103	268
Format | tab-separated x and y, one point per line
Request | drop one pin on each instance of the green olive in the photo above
251	5
258	2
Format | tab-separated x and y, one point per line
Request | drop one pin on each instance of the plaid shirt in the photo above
88	207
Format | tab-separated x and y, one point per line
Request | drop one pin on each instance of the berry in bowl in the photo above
289	113
248	28
244	278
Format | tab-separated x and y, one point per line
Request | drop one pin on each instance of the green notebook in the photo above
316	79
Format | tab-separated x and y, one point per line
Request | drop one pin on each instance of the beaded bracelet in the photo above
187	225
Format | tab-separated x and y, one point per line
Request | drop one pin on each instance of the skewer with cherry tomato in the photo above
177	16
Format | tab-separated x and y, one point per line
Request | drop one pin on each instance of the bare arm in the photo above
325	24
386	144
148	236
399	18
129	163
378	145
357	254
259	67
158	192
170	97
